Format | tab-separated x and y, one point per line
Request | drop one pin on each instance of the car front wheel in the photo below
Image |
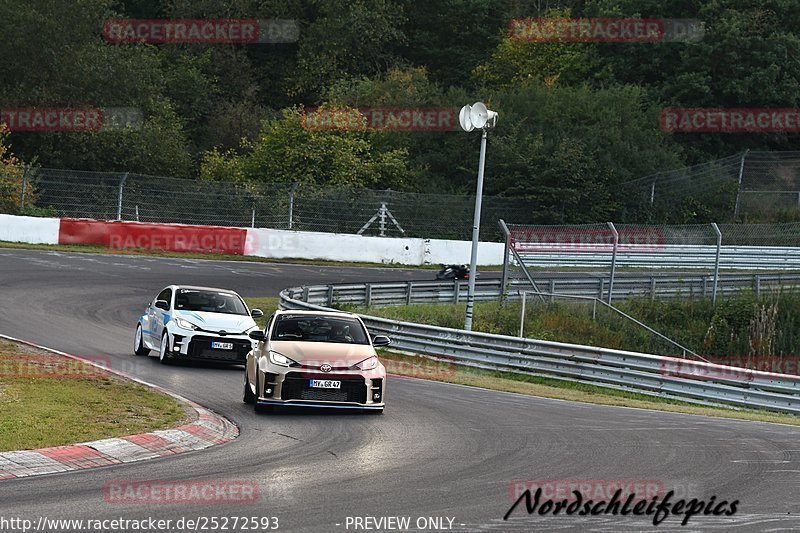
249	397
163	354
138	343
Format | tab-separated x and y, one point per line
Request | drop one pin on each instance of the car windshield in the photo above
209	301
318	328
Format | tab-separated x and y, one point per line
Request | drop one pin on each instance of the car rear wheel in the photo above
163	354
138	343
249	397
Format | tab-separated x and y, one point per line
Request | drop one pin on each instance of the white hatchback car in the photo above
199	323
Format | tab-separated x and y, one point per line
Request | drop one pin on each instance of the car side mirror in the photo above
381	340
256	313
258	335
162	304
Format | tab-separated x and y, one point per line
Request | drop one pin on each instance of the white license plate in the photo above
222	345
325	384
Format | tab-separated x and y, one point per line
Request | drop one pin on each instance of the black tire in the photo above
138	342
163	356
248	396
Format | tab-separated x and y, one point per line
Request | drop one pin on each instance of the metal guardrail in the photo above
660	286
669	257
634	286
666	377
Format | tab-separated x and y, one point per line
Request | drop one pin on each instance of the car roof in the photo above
196	288
339	314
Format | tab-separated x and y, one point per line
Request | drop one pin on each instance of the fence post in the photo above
291	202
119	196
653	189
504	277
716	264
24	187
522	315
739	188
253	219
613	261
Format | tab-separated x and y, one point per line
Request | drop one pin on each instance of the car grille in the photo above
297	388
200	348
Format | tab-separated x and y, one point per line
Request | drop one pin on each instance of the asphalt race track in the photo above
439	450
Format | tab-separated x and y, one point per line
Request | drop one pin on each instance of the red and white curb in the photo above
208	429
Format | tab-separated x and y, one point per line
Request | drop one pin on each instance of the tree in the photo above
11	170
287	152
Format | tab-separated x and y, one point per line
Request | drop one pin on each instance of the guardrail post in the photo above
716	265
613	261
758	286
652	288
552	290
594	308
601	288
305	294
330	296
456	287
119	196
24	187
408	292
368	294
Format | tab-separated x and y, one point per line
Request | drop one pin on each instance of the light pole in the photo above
471	117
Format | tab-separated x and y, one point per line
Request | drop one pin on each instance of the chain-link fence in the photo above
755	185
136	197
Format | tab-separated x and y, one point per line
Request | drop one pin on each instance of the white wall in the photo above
33	230
440	251
285	244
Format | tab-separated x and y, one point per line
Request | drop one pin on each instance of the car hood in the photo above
233	324
336	354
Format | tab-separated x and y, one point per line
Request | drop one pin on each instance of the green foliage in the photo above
286	152
740	327
576	119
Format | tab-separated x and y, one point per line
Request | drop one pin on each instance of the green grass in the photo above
48	400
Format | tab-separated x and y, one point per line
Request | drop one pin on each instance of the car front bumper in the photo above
196	345
358	390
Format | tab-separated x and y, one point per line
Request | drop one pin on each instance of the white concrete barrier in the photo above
281	244
32	230
285	244
440	251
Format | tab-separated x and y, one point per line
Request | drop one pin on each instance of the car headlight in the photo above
185	324
277	359
368	364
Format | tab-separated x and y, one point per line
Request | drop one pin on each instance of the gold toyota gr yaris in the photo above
315	359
